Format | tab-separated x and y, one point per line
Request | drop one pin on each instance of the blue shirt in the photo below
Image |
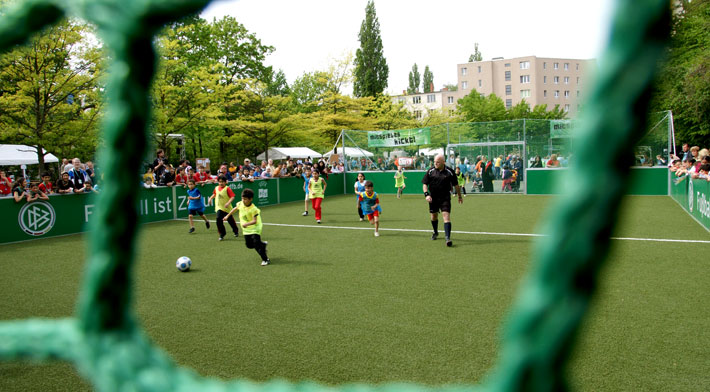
368	202
195	204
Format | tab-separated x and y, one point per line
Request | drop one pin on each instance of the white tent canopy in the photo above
293	152
431	151
350	152
18	154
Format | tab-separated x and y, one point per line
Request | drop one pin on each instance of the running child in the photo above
306	175
461	180
371	206
250	219
316	191
399	181
195	205
223	197
359	188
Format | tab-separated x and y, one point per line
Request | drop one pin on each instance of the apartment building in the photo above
551	81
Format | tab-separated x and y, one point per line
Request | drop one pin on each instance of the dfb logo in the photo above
36	218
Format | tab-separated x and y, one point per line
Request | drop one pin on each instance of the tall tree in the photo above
371	70
476	55
49	92
414	80
684	81
476	108
428	80
276	84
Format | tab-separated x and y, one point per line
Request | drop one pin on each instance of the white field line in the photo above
476	233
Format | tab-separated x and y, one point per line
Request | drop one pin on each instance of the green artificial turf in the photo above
339	305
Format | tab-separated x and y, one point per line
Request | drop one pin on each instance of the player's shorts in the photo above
196	211
372	215
437	205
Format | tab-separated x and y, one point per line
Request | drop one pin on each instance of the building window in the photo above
431	98
567	108
556	65
463	71
464	85
417	99
508	89
450	99
507	76
577	79
418	114
566	94
479	83
556	79
566	66
577	66
544	80
507	64
544	93
566	79
577	93
544	65
524	78
557	93
479	69
525	93
508	103
524	65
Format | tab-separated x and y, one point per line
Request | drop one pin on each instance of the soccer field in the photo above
338	305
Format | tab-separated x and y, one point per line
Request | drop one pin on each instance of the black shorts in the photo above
443	205
200	211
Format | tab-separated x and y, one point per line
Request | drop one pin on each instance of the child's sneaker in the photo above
434	235
192	230
318	221
221	238
361	219
207	223
449	243
236	235
305	213
377	234
266	262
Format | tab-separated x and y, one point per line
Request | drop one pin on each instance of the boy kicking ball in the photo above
250	220
370	204
195	206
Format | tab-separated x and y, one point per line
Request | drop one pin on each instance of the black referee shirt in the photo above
440	182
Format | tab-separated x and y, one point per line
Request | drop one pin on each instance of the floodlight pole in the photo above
525	160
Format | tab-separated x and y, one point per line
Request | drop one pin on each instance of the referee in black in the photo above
437	184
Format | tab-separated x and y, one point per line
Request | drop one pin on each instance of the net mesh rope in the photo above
104	339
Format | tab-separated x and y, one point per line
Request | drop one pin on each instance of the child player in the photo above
306	178
399	181
223	197
195	205
359	188
250	219
316	191
371	206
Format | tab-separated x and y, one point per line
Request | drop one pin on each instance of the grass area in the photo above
339	305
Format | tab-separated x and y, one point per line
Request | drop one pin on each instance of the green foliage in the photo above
476	108
309	89
49	92
452	87
428	81
476	55
371	70
684	82
277	84
414	80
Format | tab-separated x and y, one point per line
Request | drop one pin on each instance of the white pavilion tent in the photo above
18	154
293	152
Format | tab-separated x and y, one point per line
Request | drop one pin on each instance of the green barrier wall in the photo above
694	197
645	181
68	214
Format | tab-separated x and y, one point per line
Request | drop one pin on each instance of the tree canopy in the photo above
371	70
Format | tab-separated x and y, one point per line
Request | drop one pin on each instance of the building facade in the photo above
551	81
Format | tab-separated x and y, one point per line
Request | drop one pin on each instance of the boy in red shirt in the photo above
201	177
180	177
5	184
46	185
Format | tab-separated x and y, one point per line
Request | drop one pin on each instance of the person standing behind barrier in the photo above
487	175
18	190
497	167
437	185
5	184
359	188
316	191
223	197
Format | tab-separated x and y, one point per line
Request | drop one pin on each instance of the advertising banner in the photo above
402	137
560	128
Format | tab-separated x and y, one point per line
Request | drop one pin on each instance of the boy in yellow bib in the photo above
250	220
223	197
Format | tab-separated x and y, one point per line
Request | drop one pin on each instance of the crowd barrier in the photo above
694	197
644	181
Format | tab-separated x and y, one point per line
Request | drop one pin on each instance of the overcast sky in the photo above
309	34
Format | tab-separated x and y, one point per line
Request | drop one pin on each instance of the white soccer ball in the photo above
183	264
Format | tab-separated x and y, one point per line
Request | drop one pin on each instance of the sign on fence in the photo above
401	137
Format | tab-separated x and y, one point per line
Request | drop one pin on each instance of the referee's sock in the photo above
447	229
435	226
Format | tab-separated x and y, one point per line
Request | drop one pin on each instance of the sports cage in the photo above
523	140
